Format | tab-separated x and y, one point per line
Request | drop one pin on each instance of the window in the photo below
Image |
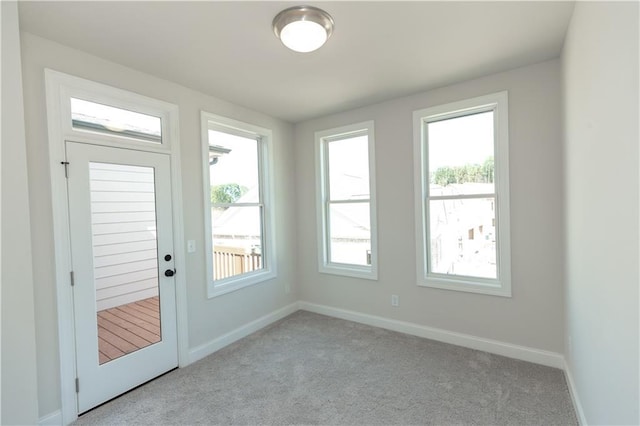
96	117
346	201
109	116
462	195
240	249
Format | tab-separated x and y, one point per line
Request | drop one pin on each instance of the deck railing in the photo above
231	261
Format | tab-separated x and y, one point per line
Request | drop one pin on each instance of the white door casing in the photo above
60	88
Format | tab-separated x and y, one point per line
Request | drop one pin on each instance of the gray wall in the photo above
19	392
533	316
600	72
208	318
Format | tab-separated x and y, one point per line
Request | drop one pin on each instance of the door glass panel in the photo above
125	258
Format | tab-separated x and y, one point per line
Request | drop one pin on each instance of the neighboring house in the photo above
463	232
238	226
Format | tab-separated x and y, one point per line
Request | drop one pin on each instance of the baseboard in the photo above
573	391
207	349
537	356
54	418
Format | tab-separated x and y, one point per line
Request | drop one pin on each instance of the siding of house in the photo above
123	224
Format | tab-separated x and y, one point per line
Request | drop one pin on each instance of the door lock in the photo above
169	272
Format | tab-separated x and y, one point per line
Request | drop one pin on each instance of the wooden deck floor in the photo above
127	328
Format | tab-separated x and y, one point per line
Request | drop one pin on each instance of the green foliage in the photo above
475	173
227	193
488	170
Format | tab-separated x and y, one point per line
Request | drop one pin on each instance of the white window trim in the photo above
324	265
59	89
215	122
498	102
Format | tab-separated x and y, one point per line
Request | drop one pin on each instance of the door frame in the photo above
59	88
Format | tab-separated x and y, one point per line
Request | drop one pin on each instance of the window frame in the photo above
322	139
120	99
264	139
500	286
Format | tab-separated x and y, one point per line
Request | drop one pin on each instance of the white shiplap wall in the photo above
123	218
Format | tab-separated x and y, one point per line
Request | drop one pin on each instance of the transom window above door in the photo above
94	113
96	117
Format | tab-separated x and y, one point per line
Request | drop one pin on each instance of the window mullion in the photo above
359	200
227	205
461	196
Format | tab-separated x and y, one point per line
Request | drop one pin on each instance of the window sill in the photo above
367	273
215	289
469	285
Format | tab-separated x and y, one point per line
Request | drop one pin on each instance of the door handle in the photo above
169	272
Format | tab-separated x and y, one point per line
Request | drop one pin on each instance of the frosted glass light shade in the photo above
303	36
303	28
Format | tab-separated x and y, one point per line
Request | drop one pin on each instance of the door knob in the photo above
169	272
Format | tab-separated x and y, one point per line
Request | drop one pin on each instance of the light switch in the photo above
191	246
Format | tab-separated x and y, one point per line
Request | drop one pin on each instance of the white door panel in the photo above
124	305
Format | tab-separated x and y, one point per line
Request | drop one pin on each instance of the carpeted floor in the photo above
313	369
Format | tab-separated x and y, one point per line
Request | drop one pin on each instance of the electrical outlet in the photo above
191	246
395	300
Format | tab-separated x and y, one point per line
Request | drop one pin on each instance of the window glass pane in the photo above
461	153
237	229
233	163
237	240
350	233
349	168
86	115
463	237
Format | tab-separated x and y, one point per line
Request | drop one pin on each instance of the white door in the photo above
122	256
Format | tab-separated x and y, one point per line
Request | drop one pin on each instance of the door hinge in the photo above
73	280
77	385
66	168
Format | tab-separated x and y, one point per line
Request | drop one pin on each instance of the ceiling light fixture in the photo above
303	28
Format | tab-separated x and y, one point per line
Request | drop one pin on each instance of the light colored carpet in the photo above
313	369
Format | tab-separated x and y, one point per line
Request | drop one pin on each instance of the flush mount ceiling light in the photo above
303	28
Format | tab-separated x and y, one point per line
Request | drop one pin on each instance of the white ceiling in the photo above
378	51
